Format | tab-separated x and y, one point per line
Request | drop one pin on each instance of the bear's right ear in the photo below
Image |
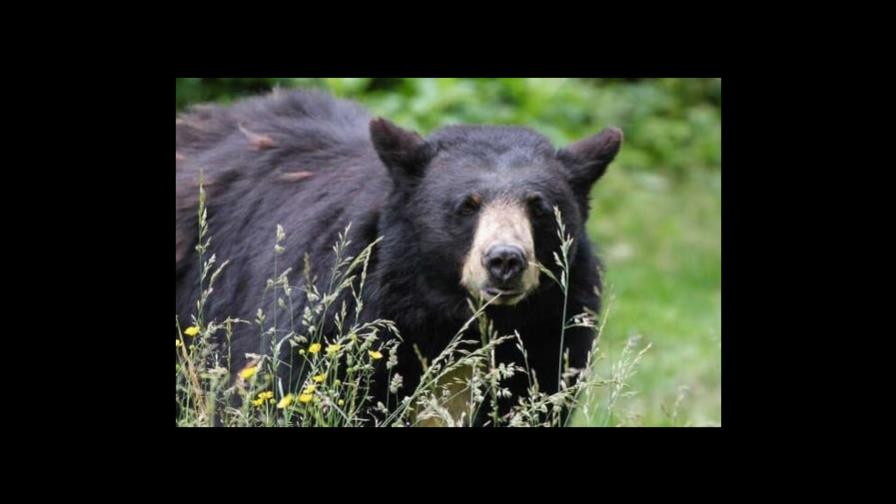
587	159
405	153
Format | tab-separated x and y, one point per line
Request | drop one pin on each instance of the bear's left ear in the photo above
405	153
586	160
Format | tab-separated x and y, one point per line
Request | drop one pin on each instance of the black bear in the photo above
465	212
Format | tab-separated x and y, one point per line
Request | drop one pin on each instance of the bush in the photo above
671	125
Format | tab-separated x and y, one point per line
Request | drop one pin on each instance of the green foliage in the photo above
656	214
671	125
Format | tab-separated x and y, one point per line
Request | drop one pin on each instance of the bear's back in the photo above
290	114
300	159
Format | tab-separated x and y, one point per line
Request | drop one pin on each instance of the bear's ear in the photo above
404	152
586	160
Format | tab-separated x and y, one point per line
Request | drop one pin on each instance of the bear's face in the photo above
488	207
481	201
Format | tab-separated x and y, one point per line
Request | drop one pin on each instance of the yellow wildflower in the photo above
248	372
191	331
314	348
319	378
305	398
374	354
286	401
267	395
177	343
309	389
332	349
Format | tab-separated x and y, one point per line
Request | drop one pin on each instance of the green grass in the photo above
656	213
661	242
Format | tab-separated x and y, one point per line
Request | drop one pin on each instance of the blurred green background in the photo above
656	213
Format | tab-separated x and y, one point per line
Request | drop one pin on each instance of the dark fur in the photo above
307	161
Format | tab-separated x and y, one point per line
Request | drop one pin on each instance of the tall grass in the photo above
336	354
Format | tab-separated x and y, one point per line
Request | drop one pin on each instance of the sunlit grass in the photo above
661	242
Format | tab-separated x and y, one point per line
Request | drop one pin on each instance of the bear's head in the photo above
480	201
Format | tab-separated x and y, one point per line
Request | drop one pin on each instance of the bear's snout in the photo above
500	265
505	265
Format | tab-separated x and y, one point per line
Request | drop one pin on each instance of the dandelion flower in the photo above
332	349
286	401
319	378
248	372
374	354
191	331
306	398
314	348
262	397
309	389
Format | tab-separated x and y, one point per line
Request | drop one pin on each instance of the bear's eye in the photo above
469	205
538	205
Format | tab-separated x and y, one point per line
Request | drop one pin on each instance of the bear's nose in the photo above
505	263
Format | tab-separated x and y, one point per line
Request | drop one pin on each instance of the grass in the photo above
656	215
337	367
661	241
